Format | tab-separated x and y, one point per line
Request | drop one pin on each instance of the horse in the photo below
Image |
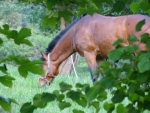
92	37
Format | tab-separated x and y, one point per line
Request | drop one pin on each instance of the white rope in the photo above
74	68
48	66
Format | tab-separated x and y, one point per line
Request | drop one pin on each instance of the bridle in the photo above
48	66
48	71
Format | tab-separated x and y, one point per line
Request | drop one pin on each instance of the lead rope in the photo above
74	68
48	66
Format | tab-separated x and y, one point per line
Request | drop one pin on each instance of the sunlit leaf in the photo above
134	6
5	105
121	109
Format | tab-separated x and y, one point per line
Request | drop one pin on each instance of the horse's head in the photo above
46	79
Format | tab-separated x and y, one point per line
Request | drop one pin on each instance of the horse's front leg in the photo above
91	61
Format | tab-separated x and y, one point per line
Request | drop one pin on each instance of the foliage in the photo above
24	64
66	9
125	80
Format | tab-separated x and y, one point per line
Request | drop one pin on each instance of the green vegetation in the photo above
77	96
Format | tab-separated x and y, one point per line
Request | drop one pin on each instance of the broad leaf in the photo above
48	97
5	105
6	80
118	42
77	111
109	107
27	108
132	38
63	105
115	54
134	6
121	109
139	25
64	87
38	102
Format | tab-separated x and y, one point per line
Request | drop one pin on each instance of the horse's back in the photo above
98	32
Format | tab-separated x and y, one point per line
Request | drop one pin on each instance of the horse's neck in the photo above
63	49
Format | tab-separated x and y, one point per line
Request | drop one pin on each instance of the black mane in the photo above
53	43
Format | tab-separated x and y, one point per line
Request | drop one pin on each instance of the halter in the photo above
48	67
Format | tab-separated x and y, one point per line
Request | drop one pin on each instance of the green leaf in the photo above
51	22
5	105
74	95
82	102
47	97
131	49
132	38
77	111
145	37
66	14
6	27
92	93
144	5
28	66
105	64
60	97
143	64
132	109
118	42
63	105
142	77
27	108
134	6
139	25
3	69
148	44
38	102
118	6
118	96
102	96
105	84
115	54
49	5
133	87
64	87
134	97
109	107
121	109
24	33
96	105
6	80
1	42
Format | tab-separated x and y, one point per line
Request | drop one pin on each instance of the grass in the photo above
23	90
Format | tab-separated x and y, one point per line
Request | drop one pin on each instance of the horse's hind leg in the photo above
91	60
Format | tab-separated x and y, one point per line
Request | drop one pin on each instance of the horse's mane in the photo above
53	43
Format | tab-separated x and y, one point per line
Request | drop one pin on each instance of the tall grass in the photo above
23	90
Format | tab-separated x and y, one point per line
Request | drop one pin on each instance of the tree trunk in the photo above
67	66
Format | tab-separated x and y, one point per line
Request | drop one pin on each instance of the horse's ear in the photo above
44	56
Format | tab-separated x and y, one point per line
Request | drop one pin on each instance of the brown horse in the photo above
92	37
